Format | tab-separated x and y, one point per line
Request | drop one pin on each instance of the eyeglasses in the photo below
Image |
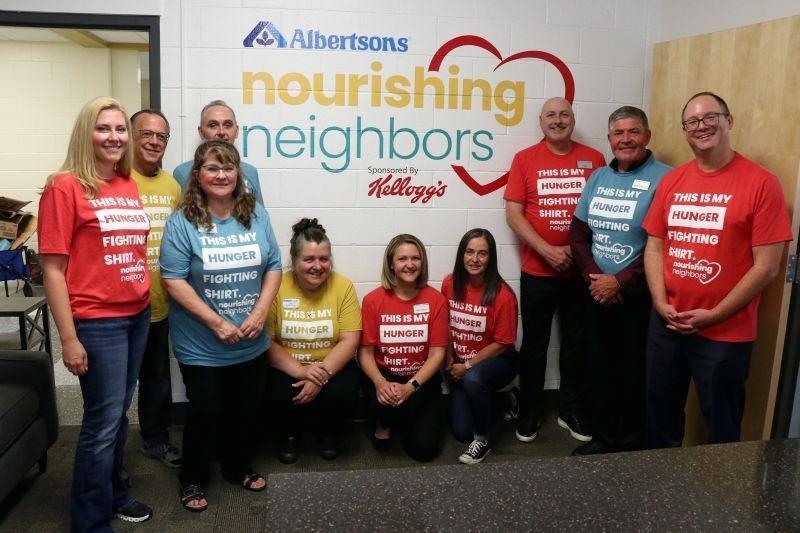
709	119
214	170
147	134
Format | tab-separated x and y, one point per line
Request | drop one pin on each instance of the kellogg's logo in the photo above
265	35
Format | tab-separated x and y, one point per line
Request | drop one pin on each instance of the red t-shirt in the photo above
709	222
549	186
402	331
474	326
106	241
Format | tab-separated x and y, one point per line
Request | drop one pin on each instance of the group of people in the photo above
195	257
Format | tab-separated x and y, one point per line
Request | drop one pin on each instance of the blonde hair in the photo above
194	205
81	161
388	278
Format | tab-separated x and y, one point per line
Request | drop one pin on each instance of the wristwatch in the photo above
415	384
467	365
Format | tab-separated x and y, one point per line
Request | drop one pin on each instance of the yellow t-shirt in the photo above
308	326
160	196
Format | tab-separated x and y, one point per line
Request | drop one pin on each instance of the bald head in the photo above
557	122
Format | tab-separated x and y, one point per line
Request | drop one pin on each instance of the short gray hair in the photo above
628	111
217	103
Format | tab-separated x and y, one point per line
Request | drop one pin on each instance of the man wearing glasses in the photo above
717	228
160	195
218	123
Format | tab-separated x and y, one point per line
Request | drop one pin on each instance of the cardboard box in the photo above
15	225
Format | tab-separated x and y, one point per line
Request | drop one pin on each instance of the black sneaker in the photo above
165	452
134	512
476	452
528	429
288	452
513	410
576	427
591	448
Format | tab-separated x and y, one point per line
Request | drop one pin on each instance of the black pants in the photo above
223	403
155	388
541	298
419	421
617	337
326	414
719	370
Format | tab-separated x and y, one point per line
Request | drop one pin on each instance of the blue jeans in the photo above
114	347
471	398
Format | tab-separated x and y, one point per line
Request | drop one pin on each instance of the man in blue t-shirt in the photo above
608	242
218	122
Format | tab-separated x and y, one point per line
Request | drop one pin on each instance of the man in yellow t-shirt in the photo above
160	195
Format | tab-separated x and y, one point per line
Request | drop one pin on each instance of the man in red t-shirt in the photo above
544	186
717	229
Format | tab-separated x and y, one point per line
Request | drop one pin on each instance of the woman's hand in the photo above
316	373
308	392
402	392
386	393
74	356
457	371
227	332
253	325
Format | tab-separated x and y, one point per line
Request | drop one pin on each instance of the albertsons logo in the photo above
266	35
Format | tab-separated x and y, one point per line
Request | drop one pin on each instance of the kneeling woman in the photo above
221	266
315	324
402	349
483	327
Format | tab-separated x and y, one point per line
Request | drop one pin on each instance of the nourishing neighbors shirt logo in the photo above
265	34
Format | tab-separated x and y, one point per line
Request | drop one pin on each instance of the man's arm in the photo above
766	264
558	257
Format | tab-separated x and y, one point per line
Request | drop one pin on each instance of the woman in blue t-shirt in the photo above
221	266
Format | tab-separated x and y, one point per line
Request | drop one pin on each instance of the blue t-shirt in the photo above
614	204
225	267
182	171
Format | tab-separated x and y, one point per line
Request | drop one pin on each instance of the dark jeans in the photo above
616	398
420	420
471	398
326	414
541	297
155	388
719	370
223	403
114	347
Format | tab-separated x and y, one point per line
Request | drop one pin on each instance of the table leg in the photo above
23	338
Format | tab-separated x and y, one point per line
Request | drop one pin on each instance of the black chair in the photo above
28	414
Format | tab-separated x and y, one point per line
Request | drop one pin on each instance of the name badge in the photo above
291	303
641	185
204	230
422	308
584	164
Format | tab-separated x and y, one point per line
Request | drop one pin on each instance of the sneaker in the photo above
476	452
528	430
591	448
165	452
513	411
134	512
576	427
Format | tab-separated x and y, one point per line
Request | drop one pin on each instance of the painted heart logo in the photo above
623	253
713	269
480	42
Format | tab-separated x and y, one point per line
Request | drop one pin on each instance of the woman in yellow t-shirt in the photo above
315	326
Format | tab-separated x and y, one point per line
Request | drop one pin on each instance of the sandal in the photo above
248	480
192	493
